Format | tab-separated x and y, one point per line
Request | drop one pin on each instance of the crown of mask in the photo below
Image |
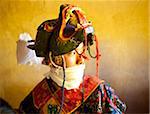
63	34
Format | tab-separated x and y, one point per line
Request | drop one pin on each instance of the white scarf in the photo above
74	76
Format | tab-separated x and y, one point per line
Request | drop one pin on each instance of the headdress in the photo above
63	34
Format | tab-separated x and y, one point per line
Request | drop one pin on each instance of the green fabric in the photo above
60	47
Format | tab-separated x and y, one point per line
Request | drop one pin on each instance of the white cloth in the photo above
73	79
25	55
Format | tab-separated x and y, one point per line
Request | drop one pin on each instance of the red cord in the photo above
97	56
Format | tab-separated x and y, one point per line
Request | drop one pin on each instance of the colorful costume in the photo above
99	98
55	38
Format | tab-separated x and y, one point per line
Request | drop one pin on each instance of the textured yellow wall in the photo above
122	29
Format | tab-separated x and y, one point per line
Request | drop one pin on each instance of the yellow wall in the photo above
122	29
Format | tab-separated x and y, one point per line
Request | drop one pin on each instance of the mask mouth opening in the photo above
69	31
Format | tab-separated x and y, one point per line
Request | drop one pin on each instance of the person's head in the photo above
63	41
71	59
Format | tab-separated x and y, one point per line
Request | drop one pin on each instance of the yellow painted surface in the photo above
120	25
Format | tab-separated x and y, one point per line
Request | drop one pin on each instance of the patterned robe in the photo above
92	96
